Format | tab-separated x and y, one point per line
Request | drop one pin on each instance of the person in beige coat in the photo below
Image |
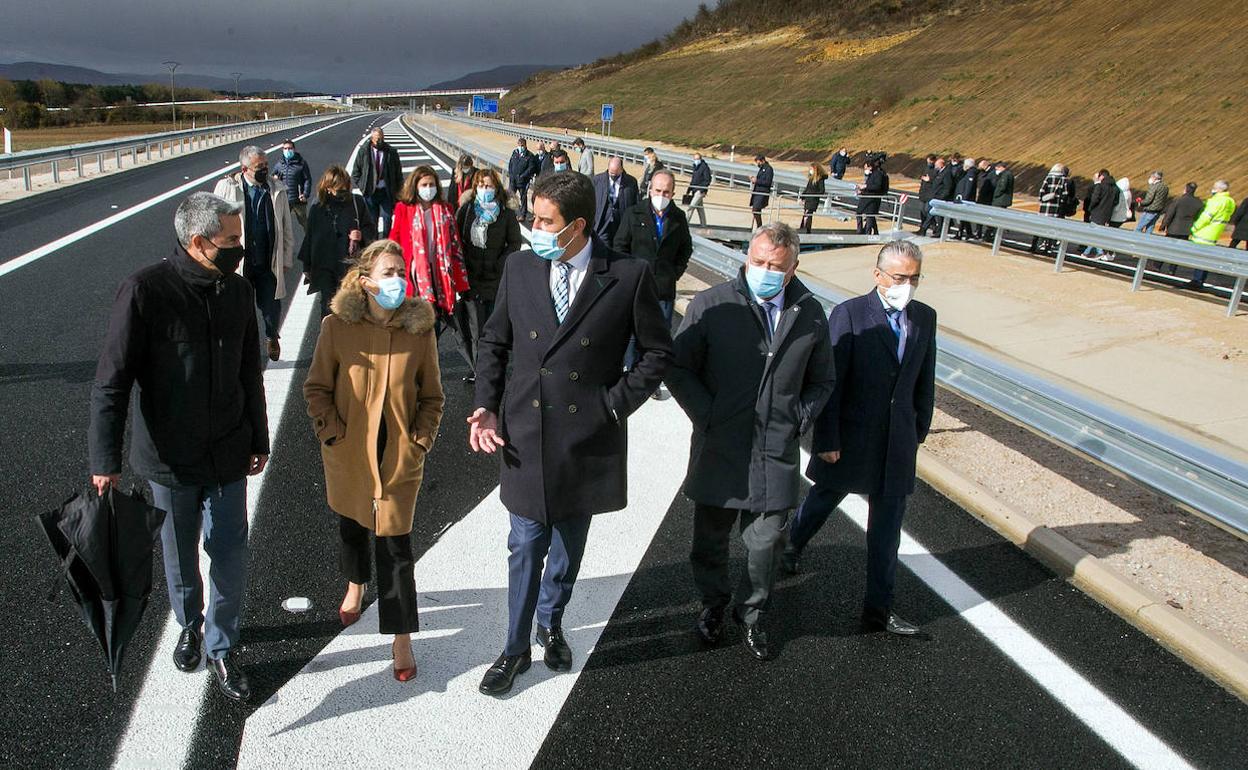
268	236
374	394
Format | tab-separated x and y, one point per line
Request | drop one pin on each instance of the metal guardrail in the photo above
1210	485
1066	232
147	144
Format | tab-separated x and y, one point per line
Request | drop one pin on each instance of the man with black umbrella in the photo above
183	331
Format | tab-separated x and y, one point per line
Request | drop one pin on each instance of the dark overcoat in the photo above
760	191
565	405
364	173
327	239
667	256
875	185
502	237
607	217
749	399
881	409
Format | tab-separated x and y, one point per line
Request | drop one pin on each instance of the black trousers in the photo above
264	284
867	225
764	537
396	581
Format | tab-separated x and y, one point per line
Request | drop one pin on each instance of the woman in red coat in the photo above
424	225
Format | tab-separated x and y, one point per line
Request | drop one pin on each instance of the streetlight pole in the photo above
173	92
236	76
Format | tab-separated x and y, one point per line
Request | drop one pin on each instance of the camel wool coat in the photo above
364	374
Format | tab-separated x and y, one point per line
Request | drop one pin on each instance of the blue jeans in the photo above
532	585
883	537
1147	220
221	511
381	206
668	306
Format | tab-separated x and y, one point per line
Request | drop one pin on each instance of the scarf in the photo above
448	262
487	212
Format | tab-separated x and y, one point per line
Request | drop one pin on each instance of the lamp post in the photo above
173	93
236	76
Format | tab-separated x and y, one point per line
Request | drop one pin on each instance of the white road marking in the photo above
440	719
1134	742
162	724
78	235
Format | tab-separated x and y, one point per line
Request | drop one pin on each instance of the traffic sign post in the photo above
513	115
608	116
8	140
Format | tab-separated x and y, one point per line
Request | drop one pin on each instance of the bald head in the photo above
615	167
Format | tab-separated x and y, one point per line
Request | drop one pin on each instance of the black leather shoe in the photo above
710	625
755	635
888	621
186	655
558	656
789	562
500	676
231	680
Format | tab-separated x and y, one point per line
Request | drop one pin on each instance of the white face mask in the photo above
659	202
899	295
427	193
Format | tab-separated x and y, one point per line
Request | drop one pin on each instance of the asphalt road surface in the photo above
1018	668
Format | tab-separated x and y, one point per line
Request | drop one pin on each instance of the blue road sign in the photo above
608	113
478	104
490	106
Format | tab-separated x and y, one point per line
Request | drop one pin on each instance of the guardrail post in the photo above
1061	255
1236	294
56	173
78	166
1139	273
996	241
160	148
26	177
99	163
117	152
944	229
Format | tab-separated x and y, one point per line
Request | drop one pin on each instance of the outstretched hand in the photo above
483	432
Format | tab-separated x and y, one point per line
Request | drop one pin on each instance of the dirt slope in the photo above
1130	86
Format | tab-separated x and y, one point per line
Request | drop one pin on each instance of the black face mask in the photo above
262	176
227	260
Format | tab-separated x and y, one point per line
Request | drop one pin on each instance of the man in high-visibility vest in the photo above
1208	227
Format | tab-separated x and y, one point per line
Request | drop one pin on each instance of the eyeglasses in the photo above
902	280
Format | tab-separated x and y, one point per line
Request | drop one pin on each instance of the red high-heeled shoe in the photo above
404	674
348	618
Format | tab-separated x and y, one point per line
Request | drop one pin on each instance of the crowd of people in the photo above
564	340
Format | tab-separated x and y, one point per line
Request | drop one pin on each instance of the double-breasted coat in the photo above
749	398
881	408
565	405
365	375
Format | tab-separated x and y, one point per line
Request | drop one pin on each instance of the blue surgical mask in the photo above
764	283
561	167
546	245
391	292
288	154
485	194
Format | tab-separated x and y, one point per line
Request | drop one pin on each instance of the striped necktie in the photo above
562	291
894	321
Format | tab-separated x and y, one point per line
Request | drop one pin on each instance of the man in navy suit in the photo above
615	191
868	435
562	318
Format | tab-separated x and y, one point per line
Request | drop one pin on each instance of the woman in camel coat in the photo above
374	394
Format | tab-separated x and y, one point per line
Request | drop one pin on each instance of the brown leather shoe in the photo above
275	350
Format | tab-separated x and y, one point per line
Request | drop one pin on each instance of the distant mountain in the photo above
30	70
506	75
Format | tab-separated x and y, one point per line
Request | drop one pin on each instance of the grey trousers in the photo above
764	537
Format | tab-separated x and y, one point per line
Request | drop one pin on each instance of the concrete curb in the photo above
1141	608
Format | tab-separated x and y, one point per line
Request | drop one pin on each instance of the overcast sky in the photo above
329	44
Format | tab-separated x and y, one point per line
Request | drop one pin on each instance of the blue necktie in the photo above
771	319
894	322
562	291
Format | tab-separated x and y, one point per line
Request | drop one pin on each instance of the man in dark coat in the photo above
942	189
699	186
987	186
839	163
1180	215
293	171
378	175
650	164
658	232
184	332
965	191
752	370
522	166
870	195
926	181
1240	222
1099	206
1002	192
563	317
868	435
760	188
615	191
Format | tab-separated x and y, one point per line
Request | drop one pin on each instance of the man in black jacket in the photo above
753	367
699	186
941	189
184	332
562	319
839	163
965	192
615	191
868	435
378	175
658	232
983	196
1099	206
293	171
870	194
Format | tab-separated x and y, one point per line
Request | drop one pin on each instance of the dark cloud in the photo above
335	46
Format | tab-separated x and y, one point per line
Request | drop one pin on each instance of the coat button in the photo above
573	376
533	335
537	404
571	408
544	371
584	342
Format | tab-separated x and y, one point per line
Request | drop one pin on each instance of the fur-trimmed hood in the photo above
351	305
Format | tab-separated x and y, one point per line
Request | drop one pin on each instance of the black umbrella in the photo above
105	546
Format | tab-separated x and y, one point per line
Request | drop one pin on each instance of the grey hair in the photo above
1159	175
968	163
663	172
904	249
250	151
200	214
1221	185
781	235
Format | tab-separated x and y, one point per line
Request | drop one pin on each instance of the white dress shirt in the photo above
580	265
902	320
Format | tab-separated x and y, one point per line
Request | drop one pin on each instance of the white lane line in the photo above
78	235
440	718
1134	742
433	155
162	724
